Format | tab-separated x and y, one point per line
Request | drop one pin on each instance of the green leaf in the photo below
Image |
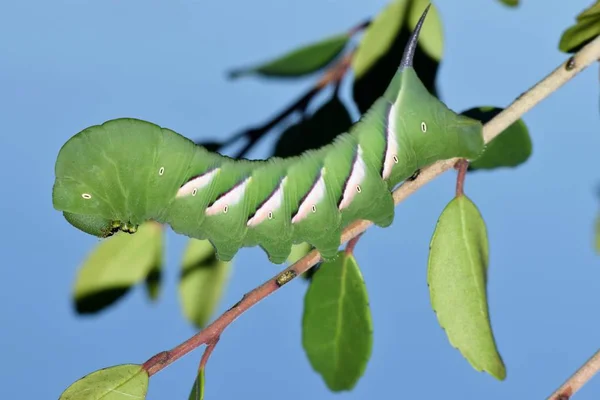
197	392
457	279
302	61
509	149
380	50
593	12
318	130
584	31
510	3
337	329
121	382
202	281
598	234
115	265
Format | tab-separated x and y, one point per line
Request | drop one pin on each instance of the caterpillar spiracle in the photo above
115	176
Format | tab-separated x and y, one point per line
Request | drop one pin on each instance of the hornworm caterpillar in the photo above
115	176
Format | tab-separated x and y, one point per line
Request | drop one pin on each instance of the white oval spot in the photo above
423	127
86	196
314	208
194	192
161	171
270	215
358	189
395	160
225	209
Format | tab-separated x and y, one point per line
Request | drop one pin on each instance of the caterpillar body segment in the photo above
115	176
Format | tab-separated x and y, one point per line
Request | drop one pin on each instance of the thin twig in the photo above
352	244
461	166
582	59
359	27
209	349
578	379
199	389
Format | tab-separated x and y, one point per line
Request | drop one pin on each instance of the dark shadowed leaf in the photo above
457	279
337	330
197	392
115	265
290	141
202	281
380	49
510	3
153	281
584	31
121	382
315	131
302	61
509	149
308	275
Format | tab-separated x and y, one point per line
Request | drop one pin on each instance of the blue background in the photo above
65	65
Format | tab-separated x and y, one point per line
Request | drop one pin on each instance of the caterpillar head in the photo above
99	180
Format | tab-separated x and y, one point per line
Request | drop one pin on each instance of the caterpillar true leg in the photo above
415	175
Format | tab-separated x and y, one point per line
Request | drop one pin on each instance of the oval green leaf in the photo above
511	148
302	61
202	281
584	31
383	30
510	3
337	329
121	382
115	265
197	392
457	279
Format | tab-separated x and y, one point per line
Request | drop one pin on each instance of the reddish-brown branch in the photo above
578	379
337	72
461	166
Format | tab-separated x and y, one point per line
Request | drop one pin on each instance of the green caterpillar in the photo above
115	176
